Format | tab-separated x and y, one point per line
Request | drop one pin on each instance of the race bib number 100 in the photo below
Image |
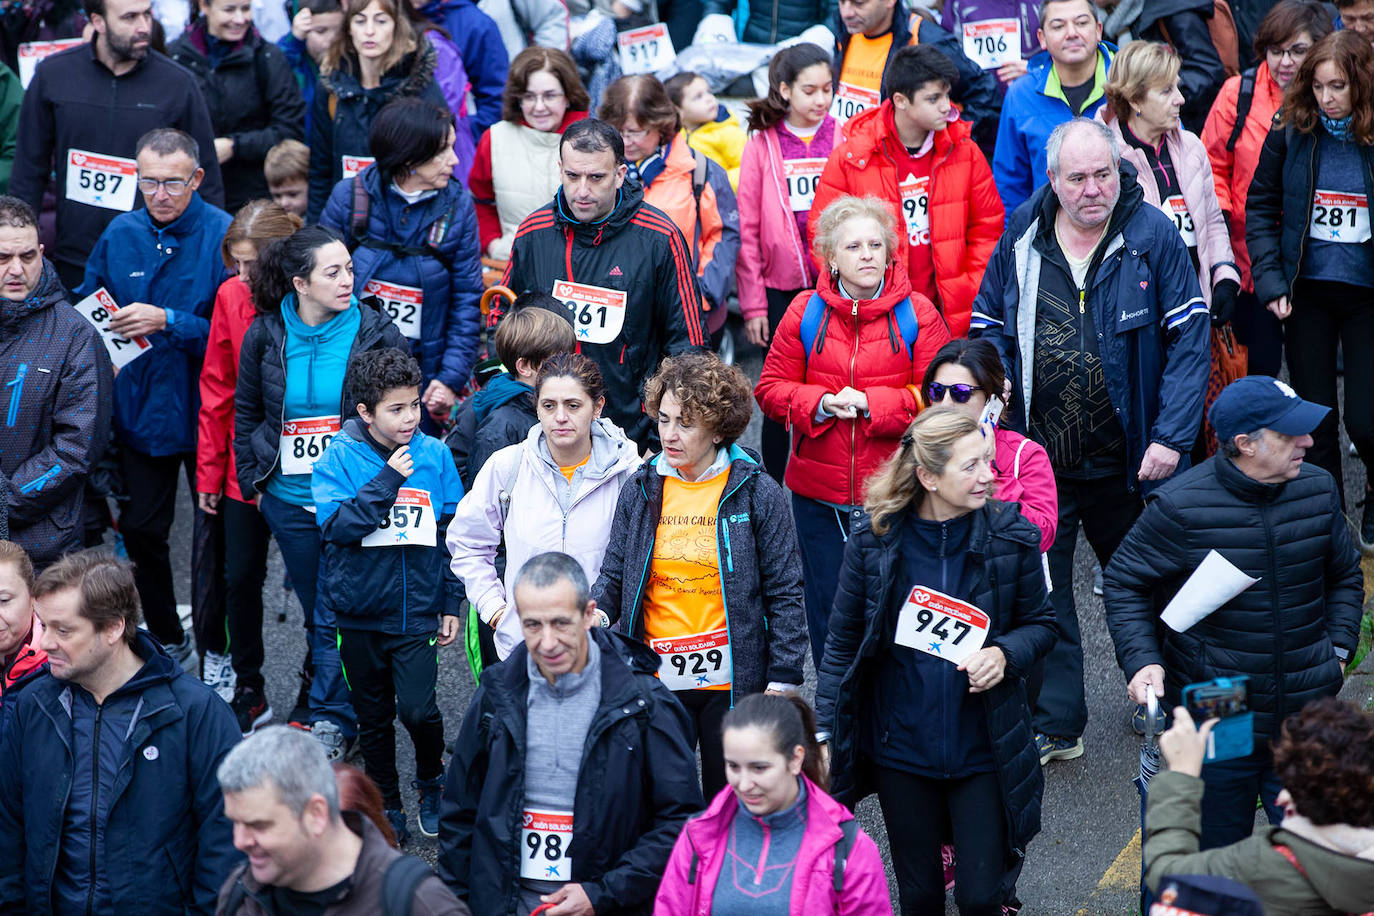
802	176
101	181
98	308
597	313
1339	217
544	840
936	624
410	523
851	100
646	50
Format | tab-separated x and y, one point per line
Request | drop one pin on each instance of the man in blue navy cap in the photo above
1276	519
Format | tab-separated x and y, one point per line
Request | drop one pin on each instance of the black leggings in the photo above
245	571
915	810
707	709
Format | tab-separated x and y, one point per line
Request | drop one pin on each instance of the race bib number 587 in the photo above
101	181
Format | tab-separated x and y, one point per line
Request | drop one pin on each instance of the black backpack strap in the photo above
698	186
850	830
402	879
1244	99
358	212
237	893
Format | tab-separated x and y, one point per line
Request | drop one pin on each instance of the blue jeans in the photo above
1228	799
821	534
299	539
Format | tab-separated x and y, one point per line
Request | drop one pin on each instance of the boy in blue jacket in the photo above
383	491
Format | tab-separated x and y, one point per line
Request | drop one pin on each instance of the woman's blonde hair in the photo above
1136	69
404	38
927	443
841	211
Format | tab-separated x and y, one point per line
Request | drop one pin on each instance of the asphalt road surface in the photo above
1086	860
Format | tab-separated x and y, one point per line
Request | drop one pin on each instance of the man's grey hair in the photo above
548	569
1228	447
1060	133
288	759
168	141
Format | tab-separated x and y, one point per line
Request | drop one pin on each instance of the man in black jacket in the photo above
1276	519
60	389
619	265
83	115
572	774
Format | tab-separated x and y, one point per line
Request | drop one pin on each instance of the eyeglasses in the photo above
1295	53
633	135
530	99
173	186
961	393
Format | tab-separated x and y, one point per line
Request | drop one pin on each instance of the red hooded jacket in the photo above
219	375
27	660
858	345
966	214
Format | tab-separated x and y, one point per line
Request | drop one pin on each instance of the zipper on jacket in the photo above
404	594
724	601
854	423
95	804
639	592
16	386
39	482
1274	608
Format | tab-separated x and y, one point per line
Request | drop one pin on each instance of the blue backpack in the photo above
814	320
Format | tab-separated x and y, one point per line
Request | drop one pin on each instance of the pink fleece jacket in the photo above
687	890
772	252
1024	476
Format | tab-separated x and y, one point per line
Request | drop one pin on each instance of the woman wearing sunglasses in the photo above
841	373
964	375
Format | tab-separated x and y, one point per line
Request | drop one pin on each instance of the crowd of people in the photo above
440	297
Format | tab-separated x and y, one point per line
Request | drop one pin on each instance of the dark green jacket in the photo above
1327	882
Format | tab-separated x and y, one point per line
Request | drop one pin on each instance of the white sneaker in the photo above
330	737
218	674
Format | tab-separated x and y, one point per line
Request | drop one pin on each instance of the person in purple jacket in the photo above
996	35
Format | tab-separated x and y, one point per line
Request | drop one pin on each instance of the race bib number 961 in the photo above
597	313
936	624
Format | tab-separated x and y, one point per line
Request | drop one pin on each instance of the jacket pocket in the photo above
179	868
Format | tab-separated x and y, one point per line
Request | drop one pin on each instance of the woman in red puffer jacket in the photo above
842	374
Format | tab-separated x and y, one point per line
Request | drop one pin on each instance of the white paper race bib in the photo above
699	660
1183	220
992	42
352	165
936	624
850	100
803	176
98	308
916	208
100	180
646	50
303	441
410	522
598	313
31	52
1339	217
402	303
544	840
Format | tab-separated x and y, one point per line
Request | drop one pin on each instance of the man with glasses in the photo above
81	116
162	266
1093	303
1358	17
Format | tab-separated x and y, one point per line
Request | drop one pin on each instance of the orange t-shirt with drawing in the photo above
684	610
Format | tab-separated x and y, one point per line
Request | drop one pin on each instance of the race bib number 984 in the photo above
936	624
544	840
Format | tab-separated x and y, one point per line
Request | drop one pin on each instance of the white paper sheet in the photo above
1215	582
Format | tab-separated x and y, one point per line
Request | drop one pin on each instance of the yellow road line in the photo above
1123	874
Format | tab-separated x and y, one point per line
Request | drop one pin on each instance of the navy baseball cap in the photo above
1262	402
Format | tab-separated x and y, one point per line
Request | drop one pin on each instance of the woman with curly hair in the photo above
703	564
940	613
1307	228
1320	859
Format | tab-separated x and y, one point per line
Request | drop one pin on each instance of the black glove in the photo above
1224	301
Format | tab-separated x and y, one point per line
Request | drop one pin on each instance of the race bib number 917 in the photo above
936	624
597	313
646	50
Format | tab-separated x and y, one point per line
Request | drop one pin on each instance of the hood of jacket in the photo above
408	76
46	293
501	390
896	287
611	451
627	202
1044	205
1038	68
27	660
874	131
1344	882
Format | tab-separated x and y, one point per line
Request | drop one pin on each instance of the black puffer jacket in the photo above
636	787
343	113
253	100
261	390
1282	632
59	387
1279	207
1183	24
1005	581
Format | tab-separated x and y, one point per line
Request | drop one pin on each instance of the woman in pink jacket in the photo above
775	827
1171	164
792	134
965	375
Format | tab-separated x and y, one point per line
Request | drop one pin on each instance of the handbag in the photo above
1229	359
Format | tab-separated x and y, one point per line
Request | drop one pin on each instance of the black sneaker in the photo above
1367	524
251	709
300	713
397	818
1057	747
431	791
1139	716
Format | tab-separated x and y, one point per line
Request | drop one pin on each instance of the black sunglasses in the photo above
961	393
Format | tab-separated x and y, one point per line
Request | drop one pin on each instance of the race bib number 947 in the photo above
936	624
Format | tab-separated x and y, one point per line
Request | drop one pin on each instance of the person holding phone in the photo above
1278	520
